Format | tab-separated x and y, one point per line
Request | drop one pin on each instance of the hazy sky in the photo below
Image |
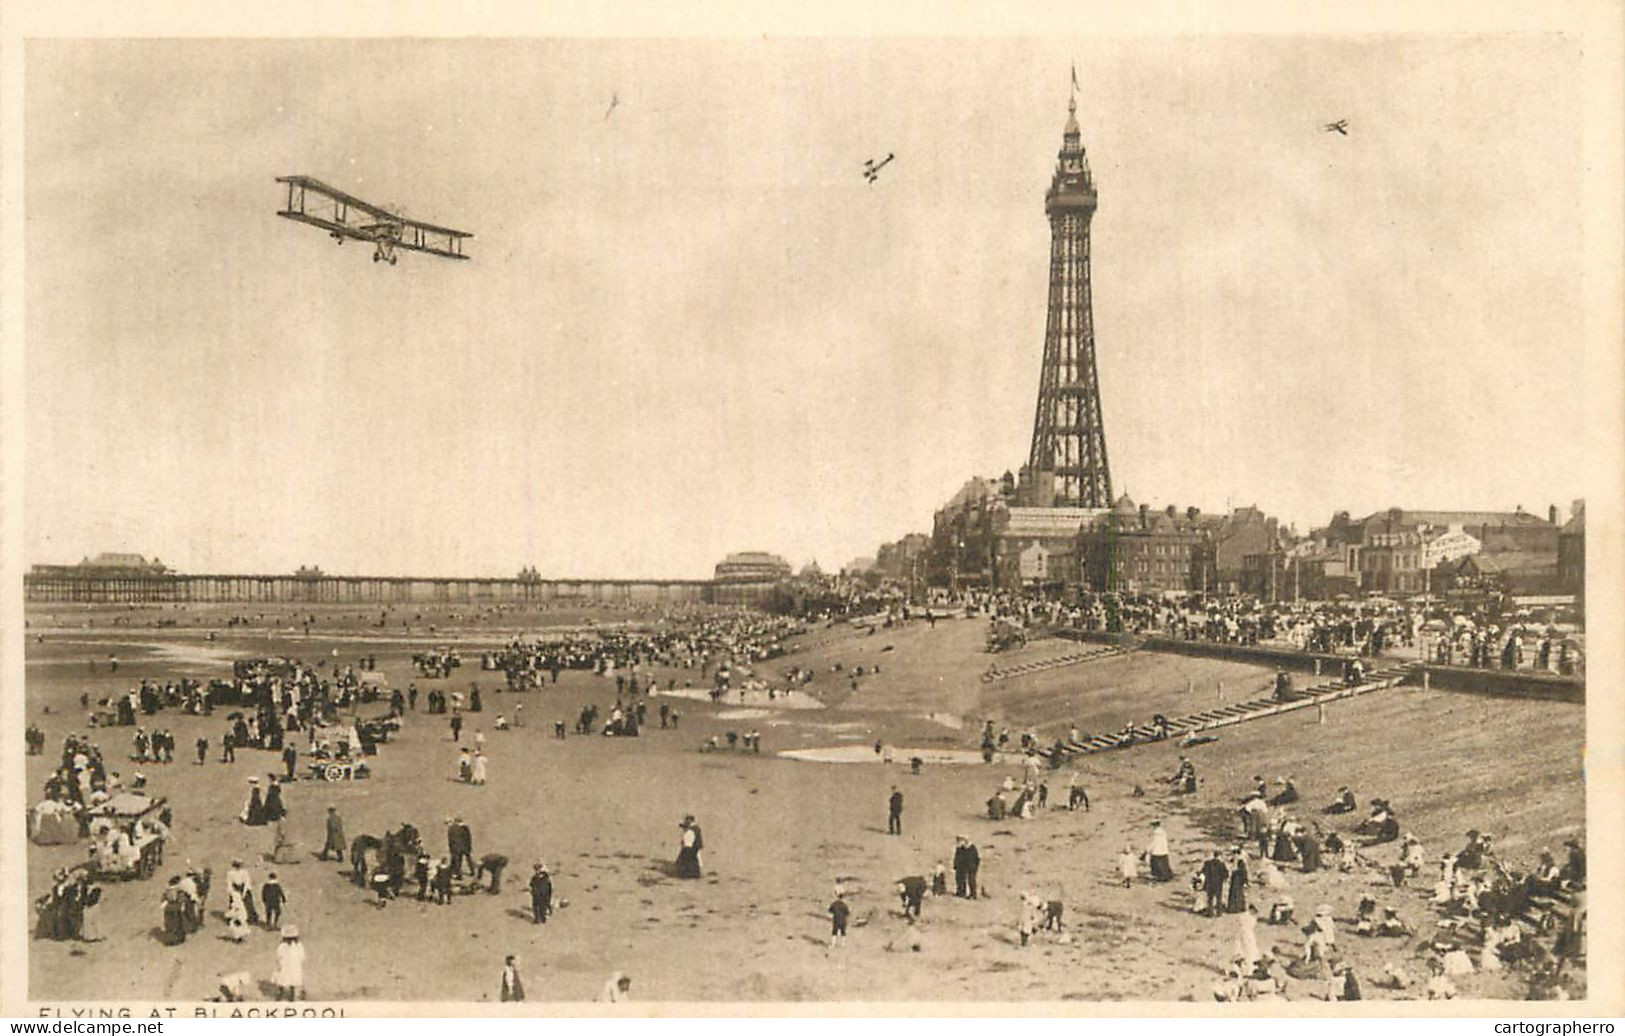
691	328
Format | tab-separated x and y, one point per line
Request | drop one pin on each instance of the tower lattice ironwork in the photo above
1067	466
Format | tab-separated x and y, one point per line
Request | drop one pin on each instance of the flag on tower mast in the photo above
1074	79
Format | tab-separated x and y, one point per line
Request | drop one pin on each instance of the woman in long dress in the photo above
254	810
688	852
1157	851
289	977
174	913
1247	939
477	768
274	809
1236	903
236	916
90	924
1309	851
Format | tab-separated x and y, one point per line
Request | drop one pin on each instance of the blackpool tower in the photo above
1067	466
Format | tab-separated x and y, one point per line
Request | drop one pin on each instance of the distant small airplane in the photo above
1340	126
313	202
614	102
871	168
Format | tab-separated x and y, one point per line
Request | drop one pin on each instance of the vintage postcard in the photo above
700	513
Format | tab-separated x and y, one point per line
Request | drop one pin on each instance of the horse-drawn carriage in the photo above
437	663
128	833
374	732
339	770
250	669
1005	635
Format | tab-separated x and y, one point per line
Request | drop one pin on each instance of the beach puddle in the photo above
748	699
900	755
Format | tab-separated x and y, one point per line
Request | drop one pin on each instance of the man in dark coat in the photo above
1309	849
912	890
1214	873
973	863
493	864
335	836
894	817
541	895
460	843
273	897
358	857
290	761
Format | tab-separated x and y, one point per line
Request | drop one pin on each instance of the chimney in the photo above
1551	514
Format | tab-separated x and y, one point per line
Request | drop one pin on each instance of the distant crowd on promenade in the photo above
1442	632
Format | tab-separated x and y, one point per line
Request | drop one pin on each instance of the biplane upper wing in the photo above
314	202
426	237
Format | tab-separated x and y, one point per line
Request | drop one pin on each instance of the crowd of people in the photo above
737	639
1450	632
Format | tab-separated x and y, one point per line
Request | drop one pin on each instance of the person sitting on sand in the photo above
1184	779
1394	976
1344	985
1281	911
1438	986
1232	986
1412	857
617	990
1471	857
1344	803
1365	916
1288	793
1547	880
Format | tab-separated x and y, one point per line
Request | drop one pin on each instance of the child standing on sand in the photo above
838	913
1128	865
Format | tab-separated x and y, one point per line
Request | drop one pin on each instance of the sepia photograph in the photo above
1049	520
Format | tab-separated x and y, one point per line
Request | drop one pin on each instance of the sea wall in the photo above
1497	682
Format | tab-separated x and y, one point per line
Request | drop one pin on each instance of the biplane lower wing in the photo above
330	209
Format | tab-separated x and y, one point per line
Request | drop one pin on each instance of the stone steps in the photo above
1041	665
1238	712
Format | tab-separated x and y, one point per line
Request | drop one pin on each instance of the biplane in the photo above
871	169
346	216
1340	126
